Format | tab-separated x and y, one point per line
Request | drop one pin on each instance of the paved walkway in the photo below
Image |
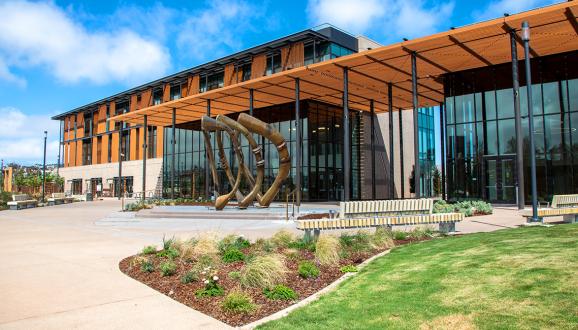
59	266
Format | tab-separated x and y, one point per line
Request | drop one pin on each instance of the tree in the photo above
437	181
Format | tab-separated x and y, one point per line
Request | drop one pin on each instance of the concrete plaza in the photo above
59	265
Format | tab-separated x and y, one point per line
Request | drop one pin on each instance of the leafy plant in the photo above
212	288
264	271
233	254
233	241
302	244
307	269
168	268
358	242
136	206
327	250
280	292
382	238
283	238
420	233
349	269
234	275
238	302
189	277
170	253
150	249
399	235
264	245
147	267
292	254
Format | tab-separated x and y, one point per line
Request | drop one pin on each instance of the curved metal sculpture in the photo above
245	125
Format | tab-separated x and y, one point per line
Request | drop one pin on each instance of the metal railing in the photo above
291	194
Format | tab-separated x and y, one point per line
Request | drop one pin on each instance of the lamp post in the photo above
526	40
44	168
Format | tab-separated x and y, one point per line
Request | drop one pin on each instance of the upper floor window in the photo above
157	96
88	124
246	72
309	53
175	92
107	117
121	107
212	81
314	52
273	63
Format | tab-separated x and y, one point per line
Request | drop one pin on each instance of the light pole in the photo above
44	168
526	40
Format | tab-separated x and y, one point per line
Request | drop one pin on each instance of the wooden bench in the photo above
59	198
562	205
22	201
388	213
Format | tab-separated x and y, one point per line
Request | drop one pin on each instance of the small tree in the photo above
437	181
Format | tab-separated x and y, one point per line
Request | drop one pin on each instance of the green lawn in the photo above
523	278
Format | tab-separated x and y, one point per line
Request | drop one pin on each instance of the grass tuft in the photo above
283	238
327	250
264	271
238	302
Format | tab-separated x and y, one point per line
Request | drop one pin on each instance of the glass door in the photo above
500	179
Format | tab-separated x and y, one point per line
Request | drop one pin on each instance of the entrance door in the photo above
501	179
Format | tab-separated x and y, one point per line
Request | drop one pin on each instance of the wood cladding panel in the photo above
101	127
104	149
194	85
95	159
112	110
160	141
229	78
146	98
114	151
141	141
79	153
258	66
133	144
185	88
133	103
167	92
66	148
292	56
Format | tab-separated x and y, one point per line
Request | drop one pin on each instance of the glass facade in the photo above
481	137
427	151
322	158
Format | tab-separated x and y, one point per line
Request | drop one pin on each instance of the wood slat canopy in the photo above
553	30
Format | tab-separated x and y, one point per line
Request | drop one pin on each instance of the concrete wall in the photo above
109	171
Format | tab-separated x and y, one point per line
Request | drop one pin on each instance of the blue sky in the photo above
57	55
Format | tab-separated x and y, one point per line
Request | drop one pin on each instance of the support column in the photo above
173	145
391	157
61	125
120	192
526	39
207	170
417	169
372	147
298	167
518	122
401	168
144	158
443	149
346	139
251	101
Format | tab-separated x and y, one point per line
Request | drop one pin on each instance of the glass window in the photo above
573	94
505	103
246	69
450	110
308	54
551	95
490	100
536	100
157	96
507	135
273	63
491	138
175	92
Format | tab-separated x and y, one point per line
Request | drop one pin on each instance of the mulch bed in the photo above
185	293
314	216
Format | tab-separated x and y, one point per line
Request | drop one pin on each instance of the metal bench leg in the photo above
529	220
307	236
448	227
316	233
571	218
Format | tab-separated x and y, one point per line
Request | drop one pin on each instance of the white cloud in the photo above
22	138
393	18
216	31
43	35
498	8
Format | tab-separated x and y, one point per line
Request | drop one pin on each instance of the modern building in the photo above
365	113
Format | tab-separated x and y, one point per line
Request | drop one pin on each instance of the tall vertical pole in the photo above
298	167
1	175
372	147
391	157
207	171
120	161
59	147
173	147
144	158
44	169
346	138
401	167
518	122
443	149
417	169
526	39
251	101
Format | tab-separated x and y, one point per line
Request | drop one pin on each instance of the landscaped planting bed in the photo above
238	282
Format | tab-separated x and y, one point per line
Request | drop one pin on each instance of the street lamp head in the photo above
525	31
45	132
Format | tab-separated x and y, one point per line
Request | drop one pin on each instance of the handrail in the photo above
291	193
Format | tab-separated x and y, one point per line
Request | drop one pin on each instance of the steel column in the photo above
443	149
526	39
251	101
173	145
43	169
120	192
346	138
417	170
207	170
518	122
144	158
391	157
298	167
59	147
401	167
372	147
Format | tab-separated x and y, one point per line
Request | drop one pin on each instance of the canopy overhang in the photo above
554	29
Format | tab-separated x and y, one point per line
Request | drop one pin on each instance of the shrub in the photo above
420	233
327	250
382	238
234	275
361	241
265	245
206	246
264	271
482	207
138	261
170	253
233	254
283	238
233	241
280	292
292	254
185	248
307	269
147	267
190	276
212	288
136	206
441	206
468	208
150	249
399	235
238	302
168	268
348	269
302	244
